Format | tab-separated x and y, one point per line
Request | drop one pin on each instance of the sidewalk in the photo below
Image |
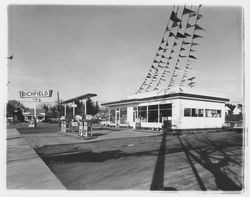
25	169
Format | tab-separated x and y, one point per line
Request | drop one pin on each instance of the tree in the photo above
15	109
231	107
92	108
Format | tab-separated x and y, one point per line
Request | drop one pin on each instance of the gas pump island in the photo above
82	125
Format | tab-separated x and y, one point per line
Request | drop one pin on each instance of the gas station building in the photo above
183	108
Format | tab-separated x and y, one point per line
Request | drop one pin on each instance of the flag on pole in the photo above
187	11
197	36
197	27
174	17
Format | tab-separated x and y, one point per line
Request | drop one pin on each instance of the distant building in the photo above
183	108
238	109
29	113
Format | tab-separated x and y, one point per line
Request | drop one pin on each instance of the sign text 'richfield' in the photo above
36	94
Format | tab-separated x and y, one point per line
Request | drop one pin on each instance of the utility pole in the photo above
59	105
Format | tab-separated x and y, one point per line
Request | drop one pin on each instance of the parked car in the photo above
227	125
238	126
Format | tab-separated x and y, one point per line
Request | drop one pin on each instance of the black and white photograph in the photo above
125	97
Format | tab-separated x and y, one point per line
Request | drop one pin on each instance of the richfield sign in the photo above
36	94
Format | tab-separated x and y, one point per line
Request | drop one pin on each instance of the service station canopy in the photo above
85	96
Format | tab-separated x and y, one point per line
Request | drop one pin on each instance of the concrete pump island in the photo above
169	135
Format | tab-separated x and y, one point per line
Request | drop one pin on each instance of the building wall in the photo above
179	121
200	122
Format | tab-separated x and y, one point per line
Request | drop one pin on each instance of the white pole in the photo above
73	108
35	109
65	110
85	108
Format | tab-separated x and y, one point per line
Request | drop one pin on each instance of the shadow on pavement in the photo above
158	176
204	158
196	174
89	156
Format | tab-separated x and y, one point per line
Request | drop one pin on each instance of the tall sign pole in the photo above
35	108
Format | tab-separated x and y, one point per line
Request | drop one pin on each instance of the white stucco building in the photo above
182	108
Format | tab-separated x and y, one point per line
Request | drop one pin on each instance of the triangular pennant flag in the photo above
174	17
175	24
177	68
180	26
187	11
161	66
199	16
186	34
161	61
188	25
191	50
193	44
158	54
182	49
179	35
197	36
182	55
163	40
185	42
175	44
167	29
172	51
197	27
160	48
170	58
167	63
191	56
171	34
153	67
192	14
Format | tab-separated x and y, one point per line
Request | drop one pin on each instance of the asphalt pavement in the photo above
128	160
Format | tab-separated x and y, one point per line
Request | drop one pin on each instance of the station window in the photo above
153	113
208	113
123	115
200	112
219	113
187	112
142	113
165	110
112	116
194	112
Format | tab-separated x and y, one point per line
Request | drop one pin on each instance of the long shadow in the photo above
218	148
158	176
89	156
222	181
196	174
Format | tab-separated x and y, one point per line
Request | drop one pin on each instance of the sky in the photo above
108	50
